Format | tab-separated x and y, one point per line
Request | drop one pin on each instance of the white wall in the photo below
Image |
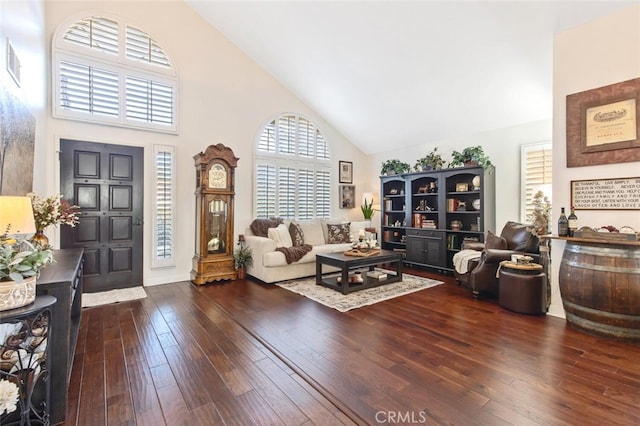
223	97
503	148
602	52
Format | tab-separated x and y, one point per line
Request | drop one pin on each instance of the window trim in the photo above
63	50
294	160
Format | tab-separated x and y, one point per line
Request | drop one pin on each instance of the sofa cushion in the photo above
338	233
519	237
280	235
312	230
297	235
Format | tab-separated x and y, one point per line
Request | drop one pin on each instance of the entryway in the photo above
106	181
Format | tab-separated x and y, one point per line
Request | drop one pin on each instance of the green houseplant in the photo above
472	155
431	161
22	260
367	210
394	166
243	257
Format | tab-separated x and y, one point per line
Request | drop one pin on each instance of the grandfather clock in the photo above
215	172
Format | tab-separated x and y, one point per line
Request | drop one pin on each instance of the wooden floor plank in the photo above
246	353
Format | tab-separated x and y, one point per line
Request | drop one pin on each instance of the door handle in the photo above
138	221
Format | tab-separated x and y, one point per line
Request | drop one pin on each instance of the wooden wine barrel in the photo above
600	287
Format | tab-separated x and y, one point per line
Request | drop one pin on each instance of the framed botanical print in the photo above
345	172
347	196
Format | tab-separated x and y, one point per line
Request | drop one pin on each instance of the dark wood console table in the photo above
599	281
63	280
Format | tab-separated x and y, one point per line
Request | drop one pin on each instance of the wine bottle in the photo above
573	222
563	224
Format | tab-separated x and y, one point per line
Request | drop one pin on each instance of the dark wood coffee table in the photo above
349	263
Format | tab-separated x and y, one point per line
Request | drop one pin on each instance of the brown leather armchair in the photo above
515	238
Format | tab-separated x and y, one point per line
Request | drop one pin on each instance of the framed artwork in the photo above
606	194
462	187
603	125
347	196
346	172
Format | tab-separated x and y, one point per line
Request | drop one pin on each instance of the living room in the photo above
225	97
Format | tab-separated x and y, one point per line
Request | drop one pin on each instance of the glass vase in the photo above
40	239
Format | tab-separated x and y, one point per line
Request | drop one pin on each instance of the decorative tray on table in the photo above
363	249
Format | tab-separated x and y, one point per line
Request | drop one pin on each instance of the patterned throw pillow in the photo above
297	236
338	234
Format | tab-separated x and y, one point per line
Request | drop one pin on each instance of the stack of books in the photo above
377	275
429	224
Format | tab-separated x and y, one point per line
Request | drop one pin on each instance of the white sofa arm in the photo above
259	246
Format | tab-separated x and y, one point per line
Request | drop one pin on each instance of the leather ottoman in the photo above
523	288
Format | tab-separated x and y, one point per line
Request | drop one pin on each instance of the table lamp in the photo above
16	216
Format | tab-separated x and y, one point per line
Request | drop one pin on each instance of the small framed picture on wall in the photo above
347	196
345	172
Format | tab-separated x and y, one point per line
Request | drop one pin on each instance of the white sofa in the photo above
270	265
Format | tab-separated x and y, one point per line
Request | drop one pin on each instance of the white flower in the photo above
8	396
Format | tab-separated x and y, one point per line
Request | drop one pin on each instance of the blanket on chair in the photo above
295	253
461	260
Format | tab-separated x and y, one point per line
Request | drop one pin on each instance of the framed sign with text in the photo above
606	194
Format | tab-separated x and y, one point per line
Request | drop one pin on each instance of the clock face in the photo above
217	176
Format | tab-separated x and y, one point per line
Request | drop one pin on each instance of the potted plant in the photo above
431	161
49	211
367	210
472	155
397	167
20	264
243	257
539	218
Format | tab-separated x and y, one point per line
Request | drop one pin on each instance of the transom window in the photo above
293	170
113	73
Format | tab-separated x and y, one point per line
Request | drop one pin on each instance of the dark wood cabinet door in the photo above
106	181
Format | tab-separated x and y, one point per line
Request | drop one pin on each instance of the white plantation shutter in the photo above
98	80
164	202
96	33
536	175
293	175
149	101
88	89
141	47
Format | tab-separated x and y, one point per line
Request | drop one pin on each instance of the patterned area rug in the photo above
112	296
343	303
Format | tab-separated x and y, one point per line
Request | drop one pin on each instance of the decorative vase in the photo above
14	294
39	239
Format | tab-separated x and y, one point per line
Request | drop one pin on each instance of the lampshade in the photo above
16	216
367	198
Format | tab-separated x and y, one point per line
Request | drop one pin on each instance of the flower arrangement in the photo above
539	218
8	396
53	210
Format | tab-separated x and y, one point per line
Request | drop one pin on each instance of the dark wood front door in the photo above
106	181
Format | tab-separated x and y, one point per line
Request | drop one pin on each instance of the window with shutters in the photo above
293	170
536	167
113	73
163	203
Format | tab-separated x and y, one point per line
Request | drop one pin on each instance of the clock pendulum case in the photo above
215	174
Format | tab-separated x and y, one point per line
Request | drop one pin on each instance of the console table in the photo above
63	280
24	360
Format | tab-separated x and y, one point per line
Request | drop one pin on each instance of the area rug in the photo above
333	299
112	296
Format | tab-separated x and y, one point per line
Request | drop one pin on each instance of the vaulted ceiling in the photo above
388	74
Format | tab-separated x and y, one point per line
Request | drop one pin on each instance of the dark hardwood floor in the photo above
248	353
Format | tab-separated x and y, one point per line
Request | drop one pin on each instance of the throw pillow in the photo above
297	236
338	234
495	241
280	235
260	227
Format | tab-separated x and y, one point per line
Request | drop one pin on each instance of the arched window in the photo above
110	72
293	170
